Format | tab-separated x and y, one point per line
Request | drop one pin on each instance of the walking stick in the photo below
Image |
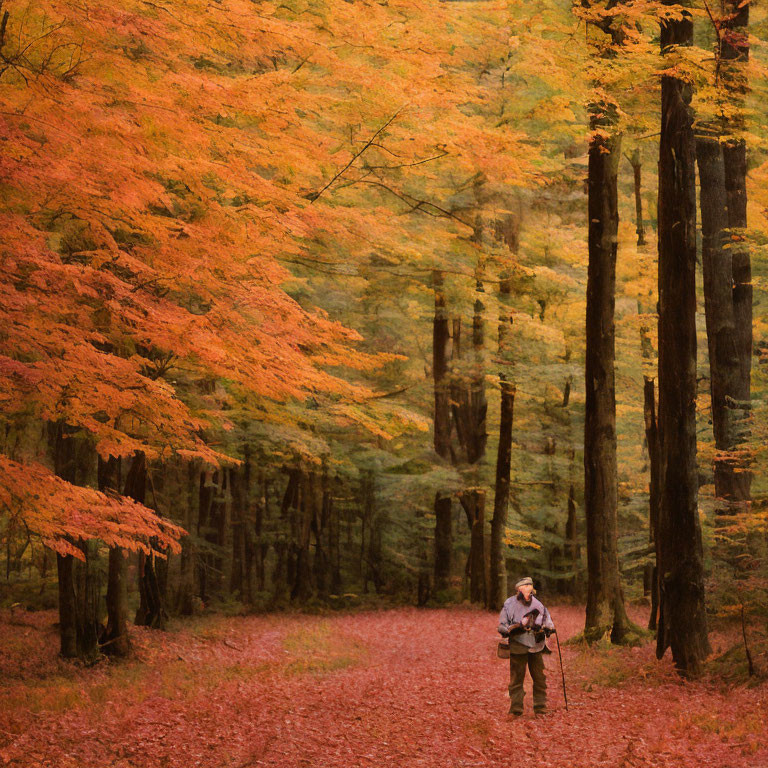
562	671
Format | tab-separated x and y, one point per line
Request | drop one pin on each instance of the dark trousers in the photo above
517	664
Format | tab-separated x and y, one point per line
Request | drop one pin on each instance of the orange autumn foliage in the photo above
60	513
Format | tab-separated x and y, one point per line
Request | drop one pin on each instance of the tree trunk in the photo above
498	576
469	414
652	441
187	591
442	438
302	585
605	599
67	610
443	542
572	542
79	587
320	526
239	487
637	166
731	485
733	478
682	618
473	501
440	344
114	640
334	543
151	611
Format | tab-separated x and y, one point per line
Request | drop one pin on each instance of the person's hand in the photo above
549	631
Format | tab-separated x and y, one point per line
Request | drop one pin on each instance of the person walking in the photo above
527	624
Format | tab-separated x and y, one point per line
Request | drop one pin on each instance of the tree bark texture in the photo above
114	639
187	591
732	475
728	389
443	542
682	618
498	567
637	171
652	442
473	501
79	586
605	601
573	548
151	611
440	345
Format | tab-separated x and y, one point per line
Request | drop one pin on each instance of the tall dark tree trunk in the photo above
187	590
238	513
682	618
469	409
443	542
151	611
725	364
284	573
637	170
573	549
652	441
302	585
440	346
605	599
79	586
473	501
334	544
114	640
67	607
498	576
722	170
442	439
320	527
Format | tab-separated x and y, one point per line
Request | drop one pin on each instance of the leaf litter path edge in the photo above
394	688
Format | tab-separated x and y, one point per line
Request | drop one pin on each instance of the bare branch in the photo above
367	145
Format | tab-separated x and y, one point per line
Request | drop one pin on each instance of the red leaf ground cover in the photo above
391	688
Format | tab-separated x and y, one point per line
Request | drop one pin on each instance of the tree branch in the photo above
367	145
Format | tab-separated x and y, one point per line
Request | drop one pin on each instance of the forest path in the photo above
395	688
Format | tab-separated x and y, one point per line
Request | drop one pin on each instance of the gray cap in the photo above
523	582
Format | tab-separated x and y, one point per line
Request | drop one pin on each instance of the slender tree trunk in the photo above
284	574
440	345
605	599
732	477
334	534
151	611
114	640
442	438
637	169
473	501
498	575
725	362
185	596
79	586
237	526
320	526
302	586
67	607
469	415
652	441
443	542
572	541
682	618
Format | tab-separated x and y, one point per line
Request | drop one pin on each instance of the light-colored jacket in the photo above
513	612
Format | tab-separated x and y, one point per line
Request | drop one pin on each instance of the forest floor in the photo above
396	688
